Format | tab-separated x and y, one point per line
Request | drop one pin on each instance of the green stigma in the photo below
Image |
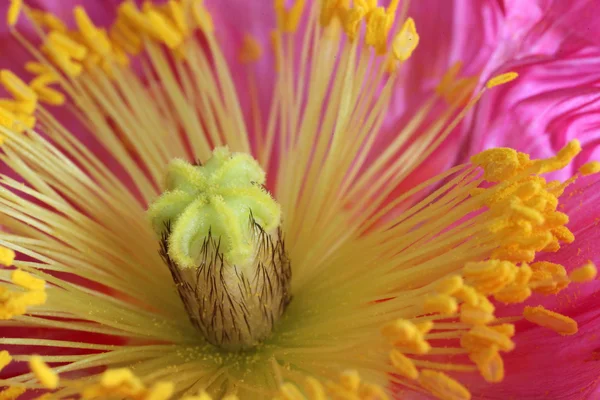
216	199
219	233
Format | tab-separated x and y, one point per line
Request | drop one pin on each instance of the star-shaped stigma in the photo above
217	199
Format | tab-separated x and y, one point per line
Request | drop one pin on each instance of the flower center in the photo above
220	237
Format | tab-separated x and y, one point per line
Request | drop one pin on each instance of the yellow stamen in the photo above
403	365
406	41
14	10
94	38
27	281
293	15
501	79
585	273
7	256
47	377
164	30
559	323
12	393
592	167
378	26
65	45
17	87
251	50
202	17
490	364
5	359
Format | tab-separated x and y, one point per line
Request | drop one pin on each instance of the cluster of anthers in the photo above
521	220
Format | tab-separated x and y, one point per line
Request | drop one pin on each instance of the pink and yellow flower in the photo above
418	260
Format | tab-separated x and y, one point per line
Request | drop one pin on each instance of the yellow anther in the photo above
164	30
230	397
467	294
548	278
491	276
483	336
64	44
441	303
448	79
50	96
501	79
5	359
160	391
122	34
490	364
201	396
331	9
292	16
585	273
202	17
7	256
403	365
175	11
47	377
424	326
14	10
350	380
442	386
37	68
498	164
12	393
559	323
251	49
593	167
562	159
64	62
351	20
42	80
378	26
121	376
16	86
406	41
26	280
134	17
94	38
563	234
400	330
513	294
48	20
369	391
289	391
314	389
475	315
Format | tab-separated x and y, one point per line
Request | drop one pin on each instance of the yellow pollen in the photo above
592	167
442	386
403	365
5	359
501	79
14	10
7	256
47	377
27	281
406	41
351	20
251	50
559	323
585	273
331	9
499	164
